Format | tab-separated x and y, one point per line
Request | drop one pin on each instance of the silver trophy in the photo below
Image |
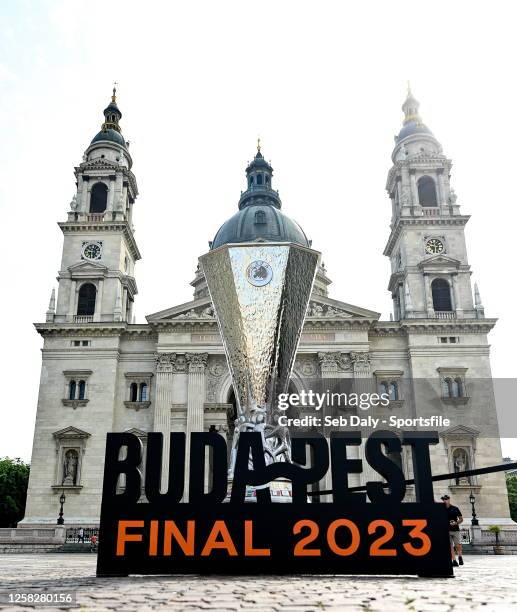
260	293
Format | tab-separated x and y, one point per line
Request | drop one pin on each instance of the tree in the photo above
14	478
511	484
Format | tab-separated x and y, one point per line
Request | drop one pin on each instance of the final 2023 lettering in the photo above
342	538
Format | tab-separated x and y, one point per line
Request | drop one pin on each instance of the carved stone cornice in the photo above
196	361
104	226
74	403
137	405
217	407
401	222
128	331
448	326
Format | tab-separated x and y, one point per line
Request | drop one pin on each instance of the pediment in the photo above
320	307
70	432
460	431
440	261
99	163
87	266
196	309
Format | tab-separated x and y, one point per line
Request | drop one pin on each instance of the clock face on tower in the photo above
92	250
434	246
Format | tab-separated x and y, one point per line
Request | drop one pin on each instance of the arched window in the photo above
457	388
394	391
144	396
82	389
447	387
260	217
260	179
99	198
133	392
71	389
86	301
441	295
427	192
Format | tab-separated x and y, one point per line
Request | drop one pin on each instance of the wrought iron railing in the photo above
73	537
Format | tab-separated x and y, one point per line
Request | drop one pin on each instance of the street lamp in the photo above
60	519
474	522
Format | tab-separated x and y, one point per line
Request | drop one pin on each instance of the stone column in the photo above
71	303
98	302
428	303
441	189
195	402
456	296
363	384
414	190
84	204
111	194
162	407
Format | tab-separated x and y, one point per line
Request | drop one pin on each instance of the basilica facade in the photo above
101	372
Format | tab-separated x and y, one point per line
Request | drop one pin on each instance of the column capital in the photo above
334	361
361	361
164	362
196	361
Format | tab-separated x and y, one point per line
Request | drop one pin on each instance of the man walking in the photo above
455	519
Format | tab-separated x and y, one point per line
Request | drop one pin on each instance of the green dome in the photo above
259	222
110	135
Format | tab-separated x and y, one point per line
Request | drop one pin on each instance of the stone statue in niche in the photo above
70	465
461	463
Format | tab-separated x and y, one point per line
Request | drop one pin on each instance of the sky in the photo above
321	83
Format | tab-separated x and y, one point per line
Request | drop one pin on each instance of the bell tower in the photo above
96	279
430	273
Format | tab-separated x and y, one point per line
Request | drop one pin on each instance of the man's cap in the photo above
444	497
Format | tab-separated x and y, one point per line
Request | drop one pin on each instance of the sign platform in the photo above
268	538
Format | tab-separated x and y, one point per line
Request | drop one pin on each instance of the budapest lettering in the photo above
213	529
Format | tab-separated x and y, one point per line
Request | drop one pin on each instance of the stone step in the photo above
73	548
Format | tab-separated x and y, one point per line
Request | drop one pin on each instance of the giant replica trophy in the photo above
260	292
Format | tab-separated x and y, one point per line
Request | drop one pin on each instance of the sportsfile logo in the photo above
315	400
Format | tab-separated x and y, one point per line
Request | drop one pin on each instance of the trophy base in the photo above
280	491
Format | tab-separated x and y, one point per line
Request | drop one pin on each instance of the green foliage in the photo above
511	484
494	529
14	478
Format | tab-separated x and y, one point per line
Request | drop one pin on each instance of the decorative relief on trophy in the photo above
259	273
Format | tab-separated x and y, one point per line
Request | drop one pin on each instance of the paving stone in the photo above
483	583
